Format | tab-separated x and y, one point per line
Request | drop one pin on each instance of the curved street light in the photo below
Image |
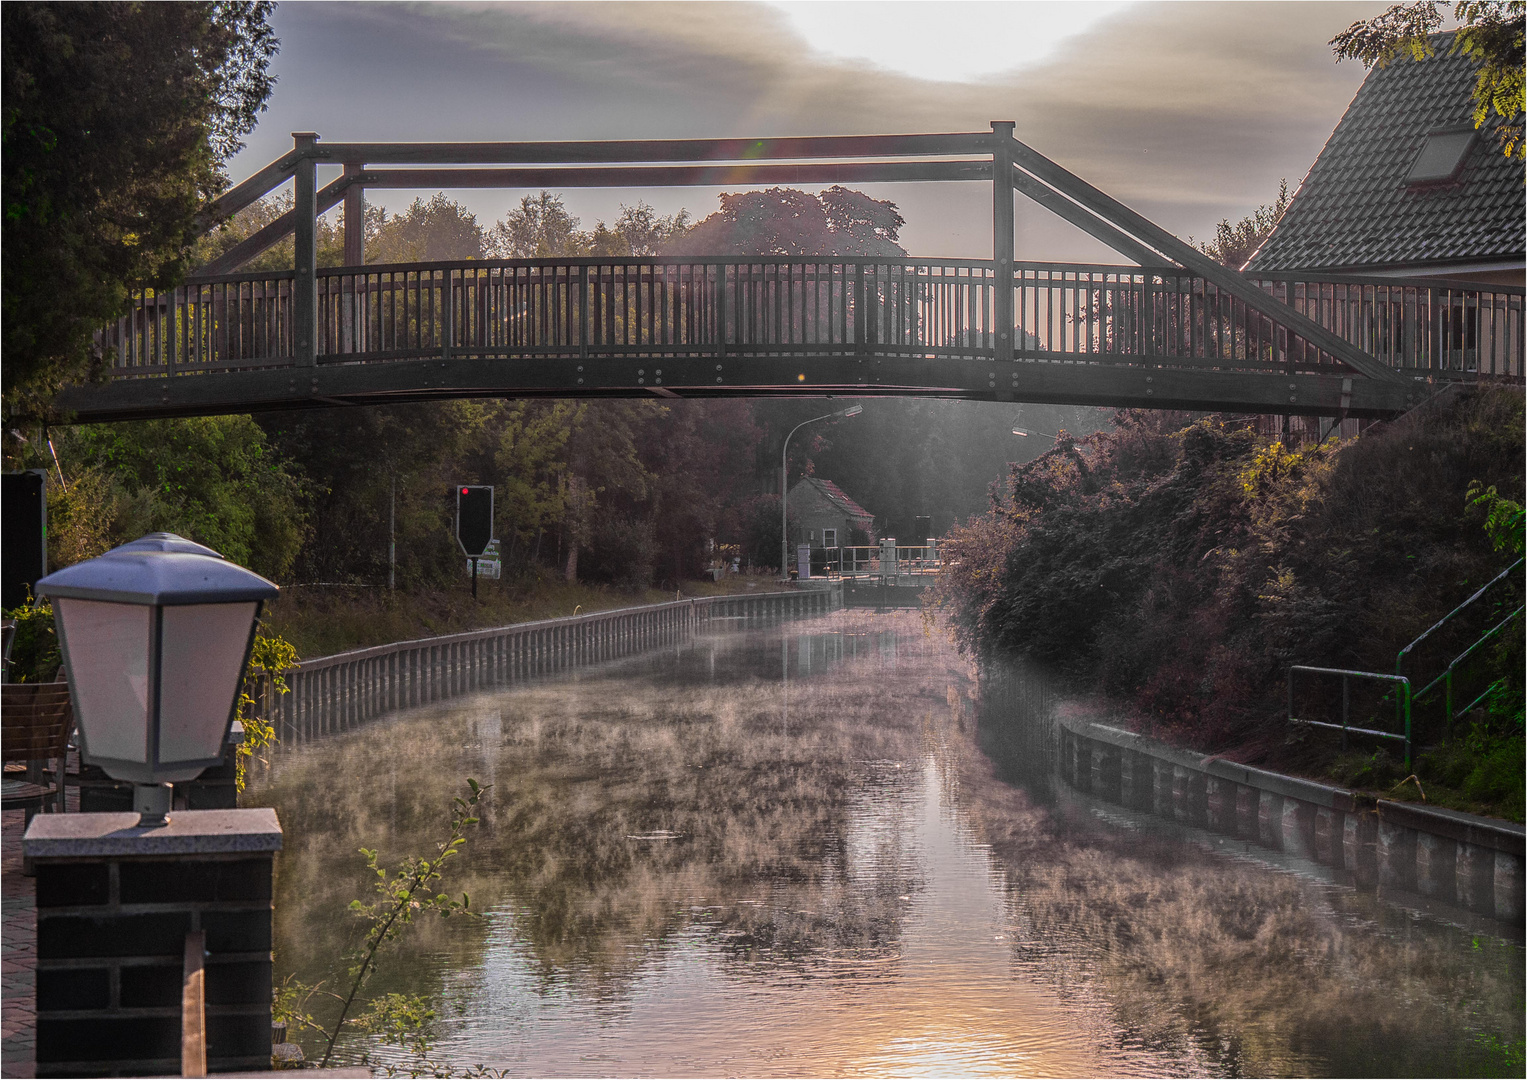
784	485
1022	433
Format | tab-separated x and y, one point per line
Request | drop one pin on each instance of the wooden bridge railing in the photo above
1420	327
677	306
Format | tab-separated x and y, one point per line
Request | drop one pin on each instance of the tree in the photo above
785	221
639	231
368	464
1234	245
117	121
433	230
539	228
1491	36
281	255
215	479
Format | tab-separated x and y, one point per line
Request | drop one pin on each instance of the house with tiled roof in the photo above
826	516
1406	187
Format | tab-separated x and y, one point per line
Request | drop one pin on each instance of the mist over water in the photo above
784	852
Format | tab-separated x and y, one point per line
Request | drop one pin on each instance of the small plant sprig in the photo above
402	894
271	656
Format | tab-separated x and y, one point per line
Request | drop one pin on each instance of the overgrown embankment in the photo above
323	620
1178	571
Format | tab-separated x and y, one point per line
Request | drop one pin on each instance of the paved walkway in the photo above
18	953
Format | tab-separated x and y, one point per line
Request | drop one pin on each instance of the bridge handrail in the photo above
1459	284
1136	315
1019	267
621	260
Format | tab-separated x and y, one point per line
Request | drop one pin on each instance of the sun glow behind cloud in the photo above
948	41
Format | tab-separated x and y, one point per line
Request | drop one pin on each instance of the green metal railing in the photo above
1402	705
1399	659
1447	676
1445	679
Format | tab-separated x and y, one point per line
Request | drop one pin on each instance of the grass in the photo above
1478	779
321	620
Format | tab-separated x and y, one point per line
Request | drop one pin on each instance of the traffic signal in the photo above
474	518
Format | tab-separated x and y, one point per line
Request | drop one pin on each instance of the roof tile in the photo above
1354	209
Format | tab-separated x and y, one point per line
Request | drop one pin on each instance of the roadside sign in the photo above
490	565
474	518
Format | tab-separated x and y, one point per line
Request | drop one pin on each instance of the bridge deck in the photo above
1158	337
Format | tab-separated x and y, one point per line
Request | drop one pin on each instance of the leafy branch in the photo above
270	658
402	893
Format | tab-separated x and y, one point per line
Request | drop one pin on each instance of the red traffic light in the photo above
474	518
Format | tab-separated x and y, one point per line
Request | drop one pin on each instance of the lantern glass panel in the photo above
108	659
203	659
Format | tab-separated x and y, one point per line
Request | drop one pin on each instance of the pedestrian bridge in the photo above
1170	329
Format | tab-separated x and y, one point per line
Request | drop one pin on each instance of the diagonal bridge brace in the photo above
1134	236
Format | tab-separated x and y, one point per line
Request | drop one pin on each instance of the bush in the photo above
623	552
35	656
1182	567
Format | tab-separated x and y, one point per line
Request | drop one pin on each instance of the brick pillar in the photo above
114	905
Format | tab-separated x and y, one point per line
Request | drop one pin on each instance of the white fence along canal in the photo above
330	694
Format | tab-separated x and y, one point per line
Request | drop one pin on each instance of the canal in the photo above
784	852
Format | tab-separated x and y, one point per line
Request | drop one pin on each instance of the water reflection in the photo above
783	853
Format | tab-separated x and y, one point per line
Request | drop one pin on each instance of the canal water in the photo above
785	853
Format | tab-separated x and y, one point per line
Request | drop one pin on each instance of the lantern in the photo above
155	636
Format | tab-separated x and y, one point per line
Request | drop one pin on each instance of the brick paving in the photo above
18	953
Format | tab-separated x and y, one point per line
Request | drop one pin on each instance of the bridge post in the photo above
1002	235
305	285
355	217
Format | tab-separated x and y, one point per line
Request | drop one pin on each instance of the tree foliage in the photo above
117	121
216	480
436	229
541	228
280	256
1182	569
786	221
1234	245
1491	36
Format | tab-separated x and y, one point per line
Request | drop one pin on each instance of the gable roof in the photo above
836	496
1355	211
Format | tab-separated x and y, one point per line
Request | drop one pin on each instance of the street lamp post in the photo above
784	485
155	636
1024	434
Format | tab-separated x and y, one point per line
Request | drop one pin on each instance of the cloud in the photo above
1187	111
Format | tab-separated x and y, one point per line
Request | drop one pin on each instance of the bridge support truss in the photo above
1174	330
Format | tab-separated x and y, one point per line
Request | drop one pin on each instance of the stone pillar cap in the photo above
190	832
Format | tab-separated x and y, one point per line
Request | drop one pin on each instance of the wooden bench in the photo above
36	721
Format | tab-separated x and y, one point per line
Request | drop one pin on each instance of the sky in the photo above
1187	112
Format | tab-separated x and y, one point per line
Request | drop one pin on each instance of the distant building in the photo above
1406	187
826	516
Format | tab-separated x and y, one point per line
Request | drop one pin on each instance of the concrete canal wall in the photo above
1455	858
335	693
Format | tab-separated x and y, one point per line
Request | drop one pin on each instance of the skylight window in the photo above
1441	156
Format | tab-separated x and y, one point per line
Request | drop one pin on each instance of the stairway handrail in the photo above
1447	676
1399	659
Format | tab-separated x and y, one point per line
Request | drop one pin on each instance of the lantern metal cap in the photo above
162	569
166	541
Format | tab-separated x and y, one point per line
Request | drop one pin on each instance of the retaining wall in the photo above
1456	858
334	693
